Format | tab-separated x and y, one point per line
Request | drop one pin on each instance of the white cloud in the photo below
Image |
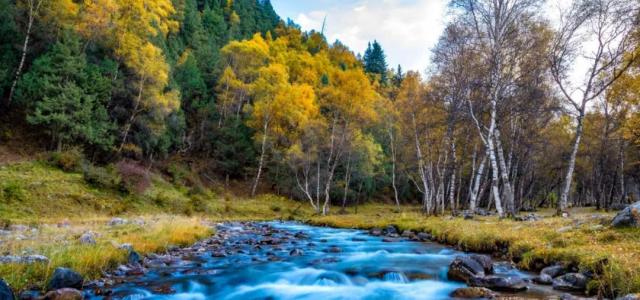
406	29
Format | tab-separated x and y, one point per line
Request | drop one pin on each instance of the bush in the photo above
199	204
12	191
68	161
178	173
134	178
100	177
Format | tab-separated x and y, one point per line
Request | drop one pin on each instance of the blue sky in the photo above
407	29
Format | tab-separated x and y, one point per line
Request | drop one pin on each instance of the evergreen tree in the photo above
375	61
65	94
398	77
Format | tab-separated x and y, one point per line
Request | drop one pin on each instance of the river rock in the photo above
117	222
473	293
423	236
126	246
375	231
334	249
87	238
485	261
549	273
408	234
134	257
499	283
296	252
628	217
571	282
27	259
531	217
390	230
63	294
29	295
463	268
5	291
554	271
19	227
543	279
65	278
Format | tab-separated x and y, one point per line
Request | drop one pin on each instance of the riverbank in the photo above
45	211
50	218
584	240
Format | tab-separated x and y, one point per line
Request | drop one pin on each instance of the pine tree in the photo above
398	77
375	61
64	94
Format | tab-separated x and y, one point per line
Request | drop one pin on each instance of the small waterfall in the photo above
397	277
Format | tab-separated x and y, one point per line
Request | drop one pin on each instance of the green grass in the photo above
614	254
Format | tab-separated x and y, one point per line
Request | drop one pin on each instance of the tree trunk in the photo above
25	47
263	149
393	167
563	204
507	191
347	178
129	123
473	194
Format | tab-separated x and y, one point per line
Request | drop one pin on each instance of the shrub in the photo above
134	178
198	190
68	161
178	173
12	191
100	177
198	204
162	199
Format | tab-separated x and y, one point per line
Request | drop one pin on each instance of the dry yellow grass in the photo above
62	246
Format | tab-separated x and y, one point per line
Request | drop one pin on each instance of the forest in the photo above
235	92
222	109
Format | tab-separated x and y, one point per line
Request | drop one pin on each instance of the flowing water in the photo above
258	261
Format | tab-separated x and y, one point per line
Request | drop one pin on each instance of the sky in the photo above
406	29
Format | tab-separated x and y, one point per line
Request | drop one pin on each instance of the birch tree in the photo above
600	34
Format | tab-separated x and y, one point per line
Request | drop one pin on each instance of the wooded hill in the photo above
226	89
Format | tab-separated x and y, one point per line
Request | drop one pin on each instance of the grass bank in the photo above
58	207
584	240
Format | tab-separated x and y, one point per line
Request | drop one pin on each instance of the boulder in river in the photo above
499	283
473	293
390	230
485	261
375	231
63	294
296	252
628	217
134	257
423	236
463	268
65	278
571	282
549	273
334	249
5	291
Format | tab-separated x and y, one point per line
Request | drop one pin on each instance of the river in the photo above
275	260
